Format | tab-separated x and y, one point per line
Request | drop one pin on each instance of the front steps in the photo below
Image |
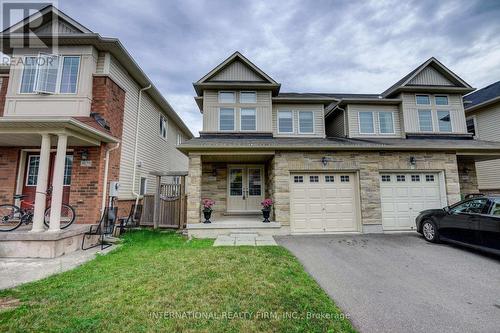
228	228
245	239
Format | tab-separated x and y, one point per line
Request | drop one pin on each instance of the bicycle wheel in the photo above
10	217
68	216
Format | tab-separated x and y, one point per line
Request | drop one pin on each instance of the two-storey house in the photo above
482	108
78	118
330	162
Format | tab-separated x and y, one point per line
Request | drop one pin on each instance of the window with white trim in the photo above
425	120
68	170
329	179
400	178
344	179
386	122
306	122
386	178
429	178
163	127
471	126
314	179
248	97
32	173
298	179
50	74
441	100
285	122
422	99
248	119
144	186
415	178
227	97
366	125
226	119
444	120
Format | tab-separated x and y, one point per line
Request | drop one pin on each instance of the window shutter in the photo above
47	70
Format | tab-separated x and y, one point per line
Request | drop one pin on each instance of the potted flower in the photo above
266	209
207	209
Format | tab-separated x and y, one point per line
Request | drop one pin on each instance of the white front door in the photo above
245	188
404	195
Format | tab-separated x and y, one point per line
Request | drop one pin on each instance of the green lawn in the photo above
162	282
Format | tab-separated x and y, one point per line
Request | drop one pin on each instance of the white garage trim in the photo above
324	204
403	194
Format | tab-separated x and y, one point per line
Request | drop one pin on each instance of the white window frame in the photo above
432	121
162	117
313	122
28	170
226	91
451	123
234	120
145	185
278	121
476	129
393	123
248	91
416	99
442	105
241	119
59	75
373	122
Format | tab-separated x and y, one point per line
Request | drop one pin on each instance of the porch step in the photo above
256	214
243	234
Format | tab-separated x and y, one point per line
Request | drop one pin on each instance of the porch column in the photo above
194	189
57	183
41	185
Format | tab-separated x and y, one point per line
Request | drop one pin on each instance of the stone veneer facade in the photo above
367	165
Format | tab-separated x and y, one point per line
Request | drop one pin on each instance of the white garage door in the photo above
405	195
323	202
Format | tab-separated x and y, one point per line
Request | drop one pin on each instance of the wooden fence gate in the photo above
166	208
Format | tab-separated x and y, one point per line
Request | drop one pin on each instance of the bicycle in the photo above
12	216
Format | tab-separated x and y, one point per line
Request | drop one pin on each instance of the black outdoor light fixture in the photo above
413	160
214	172
84	154
324	160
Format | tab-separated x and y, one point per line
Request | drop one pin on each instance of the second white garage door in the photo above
324	202
405	195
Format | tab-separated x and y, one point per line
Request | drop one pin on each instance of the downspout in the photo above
106	169
137	195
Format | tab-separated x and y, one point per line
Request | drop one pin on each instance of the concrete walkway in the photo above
244	239
16	271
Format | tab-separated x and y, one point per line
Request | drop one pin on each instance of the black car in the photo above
474	222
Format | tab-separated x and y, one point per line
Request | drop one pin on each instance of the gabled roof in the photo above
103	44
46	15
257	78
482	97
408	82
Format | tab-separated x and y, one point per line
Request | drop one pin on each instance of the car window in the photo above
495	210
474	206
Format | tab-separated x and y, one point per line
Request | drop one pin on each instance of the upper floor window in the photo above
163	127
425	120
50	74
441	100
226	119
471	126
306	122
227	97
386	122
248	97
423	99
248	120
444	121
366	125
285	122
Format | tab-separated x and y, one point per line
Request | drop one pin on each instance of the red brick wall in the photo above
8	173
3	92
87	183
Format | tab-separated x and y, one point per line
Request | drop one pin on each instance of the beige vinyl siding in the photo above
430	77
211	108
155	153
455	106
319	120
237	71
62	28
487	127
334	126
353	119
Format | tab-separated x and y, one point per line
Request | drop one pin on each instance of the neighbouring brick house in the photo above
98	113
331	162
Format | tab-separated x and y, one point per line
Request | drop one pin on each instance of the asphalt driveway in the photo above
401	283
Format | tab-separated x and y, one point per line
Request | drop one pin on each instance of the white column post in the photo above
41	185
57	183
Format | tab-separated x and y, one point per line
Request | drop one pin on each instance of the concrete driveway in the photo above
401	283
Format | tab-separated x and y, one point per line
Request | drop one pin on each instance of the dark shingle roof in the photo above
482	95
337	96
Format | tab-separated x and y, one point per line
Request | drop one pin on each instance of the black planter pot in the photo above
266	212
207	214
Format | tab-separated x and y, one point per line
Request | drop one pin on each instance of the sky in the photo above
308	45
